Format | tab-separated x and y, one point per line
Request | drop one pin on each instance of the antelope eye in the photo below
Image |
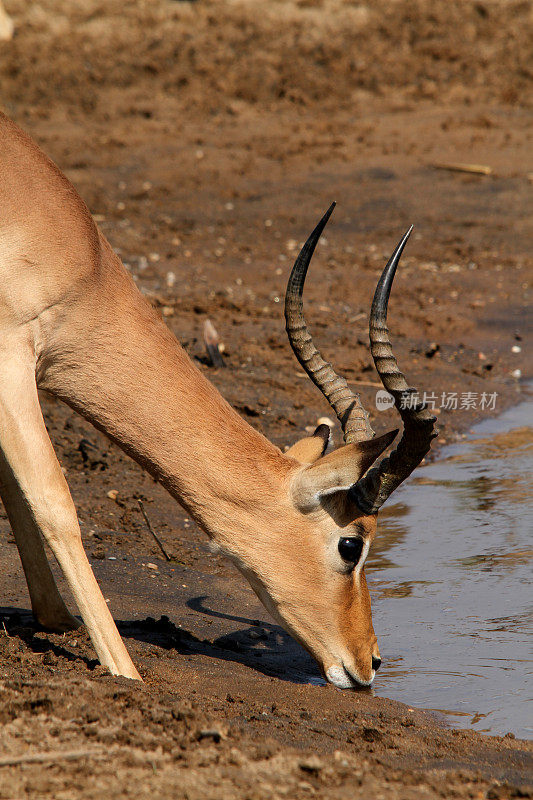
351	549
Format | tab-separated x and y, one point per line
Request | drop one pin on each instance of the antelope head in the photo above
336	497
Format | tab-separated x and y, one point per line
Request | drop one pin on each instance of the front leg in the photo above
28	462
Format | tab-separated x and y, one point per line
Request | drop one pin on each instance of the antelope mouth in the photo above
342	678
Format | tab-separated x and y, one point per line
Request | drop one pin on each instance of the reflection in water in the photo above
449	575
391	532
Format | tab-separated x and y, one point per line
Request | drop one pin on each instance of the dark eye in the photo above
351	549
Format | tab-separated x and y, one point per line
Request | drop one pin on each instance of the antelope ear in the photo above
308	450
338	470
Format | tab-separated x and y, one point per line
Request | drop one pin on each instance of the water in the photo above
449	575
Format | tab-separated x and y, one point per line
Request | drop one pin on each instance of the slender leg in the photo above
47	604
28	462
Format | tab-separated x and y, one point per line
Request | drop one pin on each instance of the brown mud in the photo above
207	138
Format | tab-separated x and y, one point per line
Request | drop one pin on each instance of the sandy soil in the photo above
207	138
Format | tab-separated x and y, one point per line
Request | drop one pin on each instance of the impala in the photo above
298	524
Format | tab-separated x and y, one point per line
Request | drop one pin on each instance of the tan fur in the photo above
74	323
307	450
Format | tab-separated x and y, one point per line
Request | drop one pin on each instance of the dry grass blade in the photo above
473	169
154	534
57	755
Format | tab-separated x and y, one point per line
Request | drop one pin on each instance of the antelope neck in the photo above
126	373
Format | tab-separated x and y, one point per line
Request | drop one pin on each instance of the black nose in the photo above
376	663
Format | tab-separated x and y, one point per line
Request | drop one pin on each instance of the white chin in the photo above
342	680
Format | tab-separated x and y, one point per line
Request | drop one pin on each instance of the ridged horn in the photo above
371	491
346	403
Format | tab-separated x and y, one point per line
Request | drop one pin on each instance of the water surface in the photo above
449	576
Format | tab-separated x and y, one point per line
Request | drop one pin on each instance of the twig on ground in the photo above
367	383
42	758
475	169
354	382
154	534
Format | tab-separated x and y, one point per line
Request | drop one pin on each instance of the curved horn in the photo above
346	403
371	491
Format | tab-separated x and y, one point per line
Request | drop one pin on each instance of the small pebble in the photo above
152	566
216	734
516	373
516	349
312	764
113	494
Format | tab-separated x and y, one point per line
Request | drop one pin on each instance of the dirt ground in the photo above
207	138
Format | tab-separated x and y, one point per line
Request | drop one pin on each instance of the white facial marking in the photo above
360	564
340	678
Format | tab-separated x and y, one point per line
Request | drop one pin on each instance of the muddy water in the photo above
450	581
